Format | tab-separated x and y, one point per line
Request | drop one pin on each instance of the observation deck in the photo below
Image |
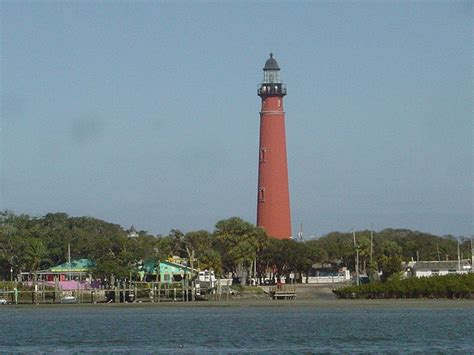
271	89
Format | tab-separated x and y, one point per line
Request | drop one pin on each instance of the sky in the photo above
146	113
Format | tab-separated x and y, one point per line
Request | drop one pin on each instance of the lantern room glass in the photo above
271	77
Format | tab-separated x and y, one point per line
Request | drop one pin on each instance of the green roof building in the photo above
169	271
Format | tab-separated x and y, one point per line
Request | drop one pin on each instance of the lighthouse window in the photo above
279	103
261	194
271	76
262	154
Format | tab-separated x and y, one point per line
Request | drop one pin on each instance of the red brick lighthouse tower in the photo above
273	206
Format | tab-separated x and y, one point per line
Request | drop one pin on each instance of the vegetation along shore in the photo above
448	286
235	250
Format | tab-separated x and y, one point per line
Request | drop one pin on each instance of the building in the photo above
273	197
132	233
438	268
327	273
66	276
169	272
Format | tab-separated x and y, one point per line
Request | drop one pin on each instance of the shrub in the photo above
448	286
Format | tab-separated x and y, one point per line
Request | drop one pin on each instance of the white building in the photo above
323	276
436	268
132	233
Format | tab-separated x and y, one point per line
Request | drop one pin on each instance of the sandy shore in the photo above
310	296
314	304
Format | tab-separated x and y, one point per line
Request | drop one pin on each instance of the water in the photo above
284	328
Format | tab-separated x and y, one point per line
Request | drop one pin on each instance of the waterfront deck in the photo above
283	292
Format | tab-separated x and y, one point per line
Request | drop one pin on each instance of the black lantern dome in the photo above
271	64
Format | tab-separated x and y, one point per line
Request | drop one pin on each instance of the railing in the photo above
326	279
272	90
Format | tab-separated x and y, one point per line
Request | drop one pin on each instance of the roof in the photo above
271	64
80	265
149	266
440	265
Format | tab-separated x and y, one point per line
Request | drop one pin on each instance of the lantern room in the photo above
271	84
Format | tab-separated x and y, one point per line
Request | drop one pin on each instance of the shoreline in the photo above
342	304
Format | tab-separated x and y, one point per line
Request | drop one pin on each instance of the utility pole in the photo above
459	258
357	258
300	233
192	276
255	270
472	253
371	242
69	260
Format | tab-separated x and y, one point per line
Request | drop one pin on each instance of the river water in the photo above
338	326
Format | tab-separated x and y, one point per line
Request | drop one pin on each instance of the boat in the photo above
68	299
205	283
3	301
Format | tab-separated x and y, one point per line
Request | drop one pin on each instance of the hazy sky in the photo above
146	113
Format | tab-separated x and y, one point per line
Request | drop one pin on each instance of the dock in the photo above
283	292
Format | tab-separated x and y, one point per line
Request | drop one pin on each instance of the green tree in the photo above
239	243
164	247
36	254
390	260
202	244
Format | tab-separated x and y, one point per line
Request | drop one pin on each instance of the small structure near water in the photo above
168	272
327	273
66	276
282	292
437	268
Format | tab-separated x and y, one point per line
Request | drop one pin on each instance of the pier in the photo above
282	292
130	292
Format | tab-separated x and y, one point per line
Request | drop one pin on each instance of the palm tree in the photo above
35	254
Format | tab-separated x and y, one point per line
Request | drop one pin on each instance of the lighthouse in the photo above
273	197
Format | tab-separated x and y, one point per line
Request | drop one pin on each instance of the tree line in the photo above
235	247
